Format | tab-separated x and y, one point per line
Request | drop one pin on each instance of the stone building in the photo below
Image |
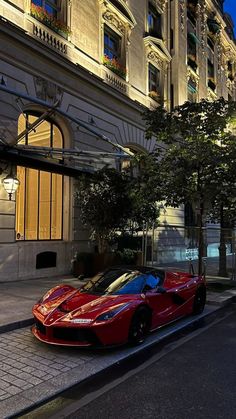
76	75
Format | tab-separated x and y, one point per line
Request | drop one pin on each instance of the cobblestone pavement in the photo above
33	372
26	363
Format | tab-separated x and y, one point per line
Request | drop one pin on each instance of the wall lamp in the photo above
10	183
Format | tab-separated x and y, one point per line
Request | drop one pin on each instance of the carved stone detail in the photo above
47	91
182	7
191	75
114	20
153	56
161	4
203	25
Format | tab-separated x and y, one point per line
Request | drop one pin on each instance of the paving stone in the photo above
12	390
4	384
4	396
34	380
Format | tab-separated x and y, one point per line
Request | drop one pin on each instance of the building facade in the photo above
76	75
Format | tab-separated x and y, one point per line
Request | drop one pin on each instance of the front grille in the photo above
40	327
75	335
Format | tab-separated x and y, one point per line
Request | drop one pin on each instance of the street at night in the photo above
191	375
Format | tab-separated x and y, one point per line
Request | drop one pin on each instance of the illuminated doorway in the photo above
39	199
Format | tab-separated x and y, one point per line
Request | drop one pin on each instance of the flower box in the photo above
47	19
155	95
114	65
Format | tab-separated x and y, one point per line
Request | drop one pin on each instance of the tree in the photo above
112	201
190	149
104	204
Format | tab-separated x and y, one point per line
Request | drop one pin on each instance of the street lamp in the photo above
10	183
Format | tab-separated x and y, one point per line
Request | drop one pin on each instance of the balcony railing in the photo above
46	35
114	80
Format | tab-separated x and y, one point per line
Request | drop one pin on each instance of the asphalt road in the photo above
190	378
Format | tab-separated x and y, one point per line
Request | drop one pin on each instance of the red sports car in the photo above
120	305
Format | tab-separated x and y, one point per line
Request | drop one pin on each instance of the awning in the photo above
35	161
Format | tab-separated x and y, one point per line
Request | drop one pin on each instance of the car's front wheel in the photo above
139	327
199	300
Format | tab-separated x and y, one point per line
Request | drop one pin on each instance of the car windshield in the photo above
115	282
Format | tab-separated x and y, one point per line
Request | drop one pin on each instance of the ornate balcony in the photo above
114	80
46	35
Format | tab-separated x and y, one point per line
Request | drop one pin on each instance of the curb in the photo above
16	325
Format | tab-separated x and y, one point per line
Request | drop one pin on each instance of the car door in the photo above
160	302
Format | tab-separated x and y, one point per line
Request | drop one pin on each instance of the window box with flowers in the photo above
155	96
114	65
47	19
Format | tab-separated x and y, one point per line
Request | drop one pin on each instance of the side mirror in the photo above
161	290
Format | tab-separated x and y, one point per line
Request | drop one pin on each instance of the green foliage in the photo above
127	256
104	203
145	192
196	153
111	201
190	140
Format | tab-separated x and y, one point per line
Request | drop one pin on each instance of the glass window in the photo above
154	78
154	22
50	6
122	281
192	91
39	199
111	44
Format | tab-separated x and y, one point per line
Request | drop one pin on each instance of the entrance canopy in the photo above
66	161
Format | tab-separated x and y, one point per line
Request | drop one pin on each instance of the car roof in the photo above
142	269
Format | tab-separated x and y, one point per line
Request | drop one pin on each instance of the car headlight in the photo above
110	314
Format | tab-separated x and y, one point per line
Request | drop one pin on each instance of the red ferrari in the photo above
120	305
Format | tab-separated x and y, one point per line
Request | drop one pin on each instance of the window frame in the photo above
158	78
154	29
112	34
38	172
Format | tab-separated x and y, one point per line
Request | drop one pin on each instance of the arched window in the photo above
39	200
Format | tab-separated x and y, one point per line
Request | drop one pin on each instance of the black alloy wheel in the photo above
139	326
199	300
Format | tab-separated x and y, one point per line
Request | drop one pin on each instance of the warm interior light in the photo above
10	184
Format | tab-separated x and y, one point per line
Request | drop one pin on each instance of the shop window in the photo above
154	22
39	200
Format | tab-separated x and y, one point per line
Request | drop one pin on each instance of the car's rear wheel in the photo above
199	300
139	327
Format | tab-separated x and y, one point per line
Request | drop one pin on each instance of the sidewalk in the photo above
18	298
33	372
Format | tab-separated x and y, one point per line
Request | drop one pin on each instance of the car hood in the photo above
81	305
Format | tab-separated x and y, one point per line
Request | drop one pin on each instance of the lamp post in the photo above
10	183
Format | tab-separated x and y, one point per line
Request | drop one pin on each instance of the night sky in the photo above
230	7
